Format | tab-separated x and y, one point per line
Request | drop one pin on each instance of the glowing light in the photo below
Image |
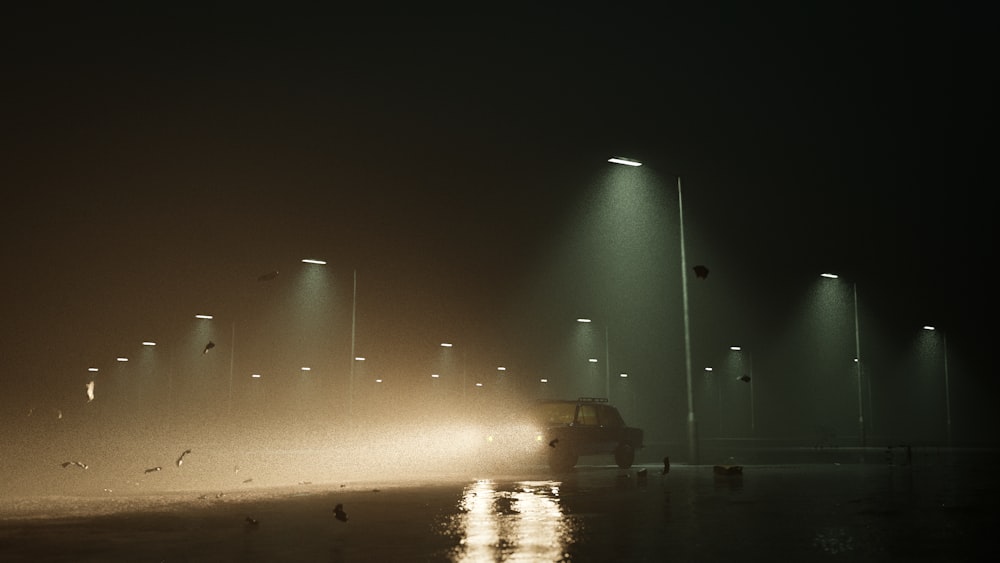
121	359
624	375
92	369
446	344
306	368
479	384
501	368
208	317
929	327
359	359
149	343
543	380
255	375
314	261
581	320
708	369
735	348
831	276
378	381
592	360
625	161
435	376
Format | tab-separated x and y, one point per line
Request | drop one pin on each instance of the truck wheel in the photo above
625	455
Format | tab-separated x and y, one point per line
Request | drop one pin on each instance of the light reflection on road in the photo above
526	523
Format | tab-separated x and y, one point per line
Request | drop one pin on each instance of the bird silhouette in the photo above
180	459
553	442
701	271
153	469
79	464
338	511
208	347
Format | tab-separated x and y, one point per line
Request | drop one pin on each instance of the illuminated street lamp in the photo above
354	316
947	390
857	358
607	359
747	378
692	426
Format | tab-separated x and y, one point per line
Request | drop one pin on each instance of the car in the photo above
563	430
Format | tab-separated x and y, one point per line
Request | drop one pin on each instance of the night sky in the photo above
155	165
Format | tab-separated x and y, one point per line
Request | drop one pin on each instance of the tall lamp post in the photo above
748	378
354	309
947	387
857	359
607	359
691	424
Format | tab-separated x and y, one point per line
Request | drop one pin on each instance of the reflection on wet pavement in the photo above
523	523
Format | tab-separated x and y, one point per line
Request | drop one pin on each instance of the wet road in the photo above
935	509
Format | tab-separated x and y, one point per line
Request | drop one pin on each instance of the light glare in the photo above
625	161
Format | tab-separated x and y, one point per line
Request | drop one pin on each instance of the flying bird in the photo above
180	459
268	276
208	347
553	442
90	391
338	511
153	469
666	466
744	378
701	271
79	464
251	521
250	480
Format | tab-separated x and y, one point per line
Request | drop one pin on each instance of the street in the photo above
929	508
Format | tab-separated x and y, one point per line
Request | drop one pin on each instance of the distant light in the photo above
209	317
313	261
501	368
592	360
625	161
306	368
149	343
378	381
831	276
479	384
92	369
121	359
624	375
360	358
435	376
583	320
446	344
929	327
708	369
735	348
255	375
543	380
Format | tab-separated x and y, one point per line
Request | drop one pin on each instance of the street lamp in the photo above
947	390
692	426
607	359
748	378
857	358
354	316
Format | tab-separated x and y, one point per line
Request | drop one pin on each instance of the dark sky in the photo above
156	164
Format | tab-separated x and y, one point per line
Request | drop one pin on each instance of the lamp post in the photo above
607	359
692	427
857	360
947	387
748	378
354	309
